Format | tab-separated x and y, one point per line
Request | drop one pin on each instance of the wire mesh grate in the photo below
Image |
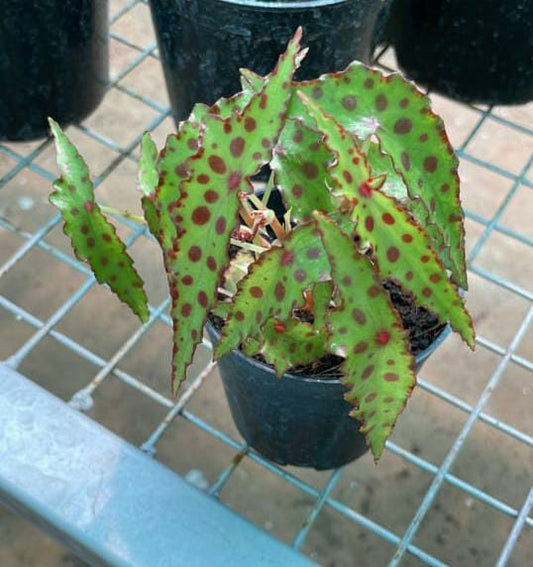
439	473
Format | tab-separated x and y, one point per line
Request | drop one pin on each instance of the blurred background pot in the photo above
294	420
53	62
204	42
469	50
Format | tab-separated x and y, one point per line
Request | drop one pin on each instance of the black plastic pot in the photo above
294	420
53	62
203	43
469	50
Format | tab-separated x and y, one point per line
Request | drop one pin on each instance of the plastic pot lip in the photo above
290	5
419	359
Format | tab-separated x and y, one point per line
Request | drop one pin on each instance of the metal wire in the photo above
177	409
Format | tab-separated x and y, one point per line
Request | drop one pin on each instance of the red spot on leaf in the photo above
393	254
234	181
310	170
202	298
279	291
89	206
201	215
383	337
211	196
211	263
195	253
365	190
250	124
220	225
287	258
236	147
217	164
203	179
256	292
388	218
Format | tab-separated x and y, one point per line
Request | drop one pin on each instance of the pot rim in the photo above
419	359
291	4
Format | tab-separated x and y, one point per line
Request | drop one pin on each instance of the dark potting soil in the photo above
423	327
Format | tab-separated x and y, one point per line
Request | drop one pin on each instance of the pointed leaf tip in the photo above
93	238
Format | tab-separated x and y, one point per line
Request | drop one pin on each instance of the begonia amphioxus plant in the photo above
371	194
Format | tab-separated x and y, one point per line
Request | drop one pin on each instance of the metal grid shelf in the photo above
20	159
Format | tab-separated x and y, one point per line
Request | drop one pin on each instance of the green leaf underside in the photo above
366	330
231	150
148	180
366	102
300	164
274	286
93	238
401	248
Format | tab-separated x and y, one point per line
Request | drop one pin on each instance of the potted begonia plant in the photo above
359	229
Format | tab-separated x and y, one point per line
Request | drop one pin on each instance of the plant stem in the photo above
123	214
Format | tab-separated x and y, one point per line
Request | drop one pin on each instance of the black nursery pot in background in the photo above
294	420
203	43
53	62
476	51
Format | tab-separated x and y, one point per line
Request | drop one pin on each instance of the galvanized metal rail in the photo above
171	493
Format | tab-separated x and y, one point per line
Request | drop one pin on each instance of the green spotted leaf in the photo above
93	238
286	344
173	169
231	150
401	248
300	165
291	342
366	330
366	101
275	286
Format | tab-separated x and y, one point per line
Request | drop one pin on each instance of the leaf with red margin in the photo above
287	343
366	101
93	238
231	150
400	247
173	169
366	330
274	286
300	165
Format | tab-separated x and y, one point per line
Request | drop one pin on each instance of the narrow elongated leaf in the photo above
275	285
173	170
401	248
231	150
93	238
300	165
366	330
365	102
